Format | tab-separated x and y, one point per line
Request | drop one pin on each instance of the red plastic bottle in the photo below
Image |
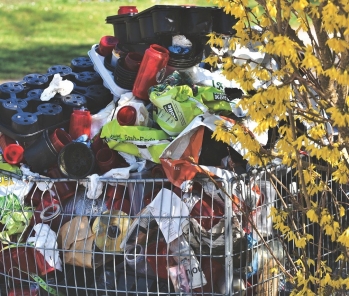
153	65
80	123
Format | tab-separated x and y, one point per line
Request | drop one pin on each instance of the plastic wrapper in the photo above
175	108
256	198
77	239
175	159
179	279
141	141
185	256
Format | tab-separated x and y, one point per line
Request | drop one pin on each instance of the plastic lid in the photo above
127	115
13	153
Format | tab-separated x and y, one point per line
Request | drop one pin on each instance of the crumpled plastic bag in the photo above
175	108
215	99
256	198
14	216
95	187
99	119
57	85
141	141
45	242
204	77
182	41
14	186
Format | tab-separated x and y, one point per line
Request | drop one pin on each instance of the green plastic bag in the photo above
175	107
141	141
215	99
13	216
4	166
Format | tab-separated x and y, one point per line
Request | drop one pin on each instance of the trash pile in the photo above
109	169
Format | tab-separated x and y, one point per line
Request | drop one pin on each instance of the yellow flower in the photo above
344	238
341	211
312	216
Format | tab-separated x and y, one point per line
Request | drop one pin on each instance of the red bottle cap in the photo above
127	115
13	153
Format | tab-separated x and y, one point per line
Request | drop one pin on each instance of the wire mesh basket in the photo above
142	237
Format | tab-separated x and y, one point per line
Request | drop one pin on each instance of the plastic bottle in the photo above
80	123
151	69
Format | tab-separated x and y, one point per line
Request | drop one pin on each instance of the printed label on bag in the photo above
169	109
195	275
220	97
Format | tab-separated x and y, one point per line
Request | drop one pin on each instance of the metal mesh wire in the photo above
221	248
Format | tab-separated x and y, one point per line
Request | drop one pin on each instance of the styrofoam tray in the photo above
107	76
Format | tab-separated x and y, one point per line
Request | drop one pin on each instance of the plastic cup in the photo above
106	159
158	172
133	61
97	143
114	193
106	45
13	153
49	212
127	115
59	139
41	154
27	259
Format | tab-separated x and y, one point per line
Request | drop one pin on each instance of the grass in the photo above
37	34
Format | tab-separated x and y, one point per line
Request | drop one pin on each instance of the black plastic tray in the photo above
24	117
171	20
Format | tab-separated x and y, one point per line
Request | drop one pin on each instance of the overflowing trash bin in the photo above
111	183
